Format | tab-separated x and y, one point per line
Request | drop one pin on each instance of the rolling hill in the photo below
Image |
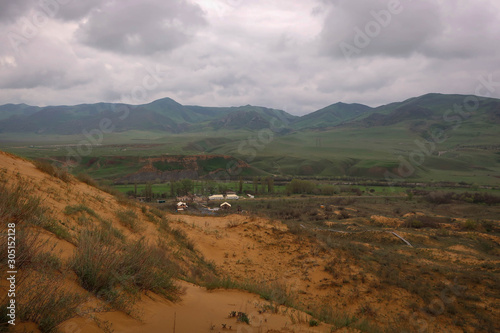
332	115
163	115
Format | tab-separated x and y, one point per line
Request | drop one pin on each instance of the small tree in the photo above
173	188
211	187
240	185
186	186
148	191
270	184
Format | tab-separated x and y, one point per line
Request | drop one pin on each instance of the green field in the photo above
339	152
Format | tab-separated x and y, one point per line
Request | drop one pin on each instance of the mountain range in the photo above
169	116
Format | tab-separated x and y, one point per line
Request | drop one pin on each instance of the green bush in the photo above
313	323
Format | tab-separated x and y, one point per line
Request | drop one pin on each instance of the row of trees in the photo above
260	185
266	185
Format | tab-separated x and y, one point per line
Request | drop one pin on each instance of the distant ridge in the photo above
167	115
332	115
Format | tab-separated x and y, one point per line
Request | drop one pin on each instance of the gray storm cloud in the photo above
297	56
142	27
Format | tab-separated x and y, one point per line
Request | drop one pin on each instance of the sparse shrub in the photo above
150	268
242	317
109	233
95	263
57	229
164	225
439	197
120	197
129	219
70	210
47	261
16	205
52	170
182	238
117	272
87	179
28	247
156	212
470	225
486	198
45	302
425	222
313	323
488	226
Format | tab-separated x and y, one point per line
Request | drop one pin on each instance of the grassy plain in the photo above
337	152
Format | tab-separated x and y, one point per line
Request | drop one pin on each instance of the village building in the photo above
232	197
181	206
216	197
225	206
186	198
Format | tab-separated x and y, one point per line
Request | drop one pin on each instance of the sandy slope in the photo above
198	311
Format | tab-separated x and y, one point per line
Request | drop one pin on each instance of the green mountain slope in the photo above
16	110
162	115
332	115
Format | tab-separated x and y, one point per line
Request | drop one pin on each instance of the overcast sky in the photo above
298	56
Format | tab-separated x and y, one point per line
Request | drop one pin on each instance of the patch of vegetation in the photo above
182	238
87	179
129	219
17	205
168	166
57	229
45	302
275	292
43	299
156	212
424	221
313	323
52	170
117	272
71	210
441	197
213	164
110	234
242	317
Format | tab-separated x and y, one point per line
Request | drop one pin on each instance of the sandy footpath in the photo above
199	311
